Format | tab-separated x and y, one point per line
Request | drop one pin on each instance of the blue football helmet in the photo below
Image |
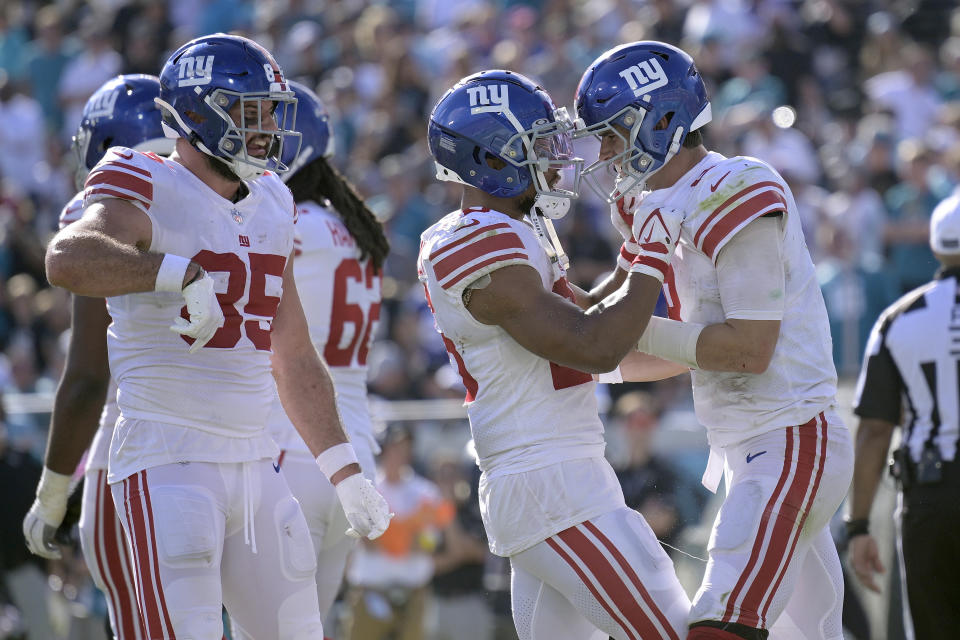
637	86
313	123
121	113
205	78
504	115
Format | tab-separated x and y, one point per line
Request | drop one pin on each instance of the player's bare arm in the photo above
643	367
873	443
611	283
105	253
554	328
303	381
83	387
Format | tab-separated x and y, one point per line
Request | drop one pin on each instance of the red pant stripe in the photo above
115	548
784	528
99	551
822	430
634	578
164	614
135	538
758	543
589	584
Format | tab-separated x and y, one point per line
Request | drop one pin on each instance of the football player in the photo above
194	255
120	113
339	249
495	279
747	317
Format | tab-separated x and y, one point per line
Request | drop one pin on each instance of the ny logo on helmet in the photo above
195	70
101	104
644	77
493	97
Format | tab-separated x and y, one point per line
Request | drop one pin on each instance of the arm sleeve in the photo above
750	272
879	388
124	174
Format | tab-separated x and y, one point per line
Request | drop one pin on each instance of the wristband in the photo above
858	527
611	377
335	458
671	340
53	489
171	272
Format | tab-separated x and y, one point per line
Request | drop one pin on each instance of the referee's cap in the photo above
945	226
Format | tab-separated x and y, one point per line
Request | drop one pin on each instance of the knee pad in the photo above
298	559
714	630
183	517
197	623
739	517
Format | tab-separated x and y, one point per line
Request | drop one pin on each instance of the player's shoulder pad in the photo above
125	174
729	196
72	212
320	227
466	245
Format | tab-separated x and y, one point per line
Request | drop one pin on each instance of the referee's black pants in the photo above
931	555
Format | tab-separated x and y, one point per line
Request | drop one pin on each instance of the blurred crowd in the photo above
855	102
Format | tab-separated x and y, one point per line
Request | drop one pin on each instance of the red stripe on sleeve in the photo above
123	181
486	263
626	254
467	238
116	194
474	251
719	210
752	208
123	165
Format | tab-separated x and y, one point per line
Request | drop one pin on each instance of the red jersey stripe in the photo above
122	165
501	258
116	194
468	380
467	238
474	251
123	181
729	201
752	208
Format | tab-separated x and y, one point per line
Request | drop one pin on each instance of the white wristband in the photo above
611	377
671	340
335	458
53	489
171	273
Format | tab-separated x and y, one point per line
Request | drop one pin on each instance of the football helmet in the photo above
205	78
504	115
313	123
636	86
121	113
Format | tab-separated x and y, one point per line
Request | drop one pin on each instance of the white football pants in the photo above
108	559
608	574
204	535
770	550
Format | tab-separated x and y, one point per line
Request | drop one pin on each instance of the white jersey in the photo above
99	451
211	405
721	196
341	299
527	414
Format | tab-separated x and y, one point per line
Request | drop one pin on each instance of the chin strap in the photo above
547	235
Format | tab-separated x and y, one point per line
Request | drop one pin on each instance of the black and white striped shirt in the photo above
913	355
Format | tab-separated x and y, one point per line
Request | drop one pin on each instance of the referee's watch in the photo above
857	527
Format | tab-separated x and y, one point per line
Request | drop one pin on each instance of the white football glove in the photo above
46	514
206	316
367	511
656	230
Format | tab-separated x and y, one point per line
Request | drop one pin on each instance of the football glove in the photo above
366	510
47	512
206	316
656	230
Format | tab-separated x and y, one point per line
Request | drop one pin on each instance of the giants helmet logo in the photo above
195	70
101	104
492	97
644	77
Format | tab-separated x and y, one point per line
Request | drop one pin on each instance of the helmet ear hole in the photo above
106	144
664	122
494	162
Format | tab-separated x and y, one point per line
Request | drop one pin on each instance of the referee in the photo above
911	377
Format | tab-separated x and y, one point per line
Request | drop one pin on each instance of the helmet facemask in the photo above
547	145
